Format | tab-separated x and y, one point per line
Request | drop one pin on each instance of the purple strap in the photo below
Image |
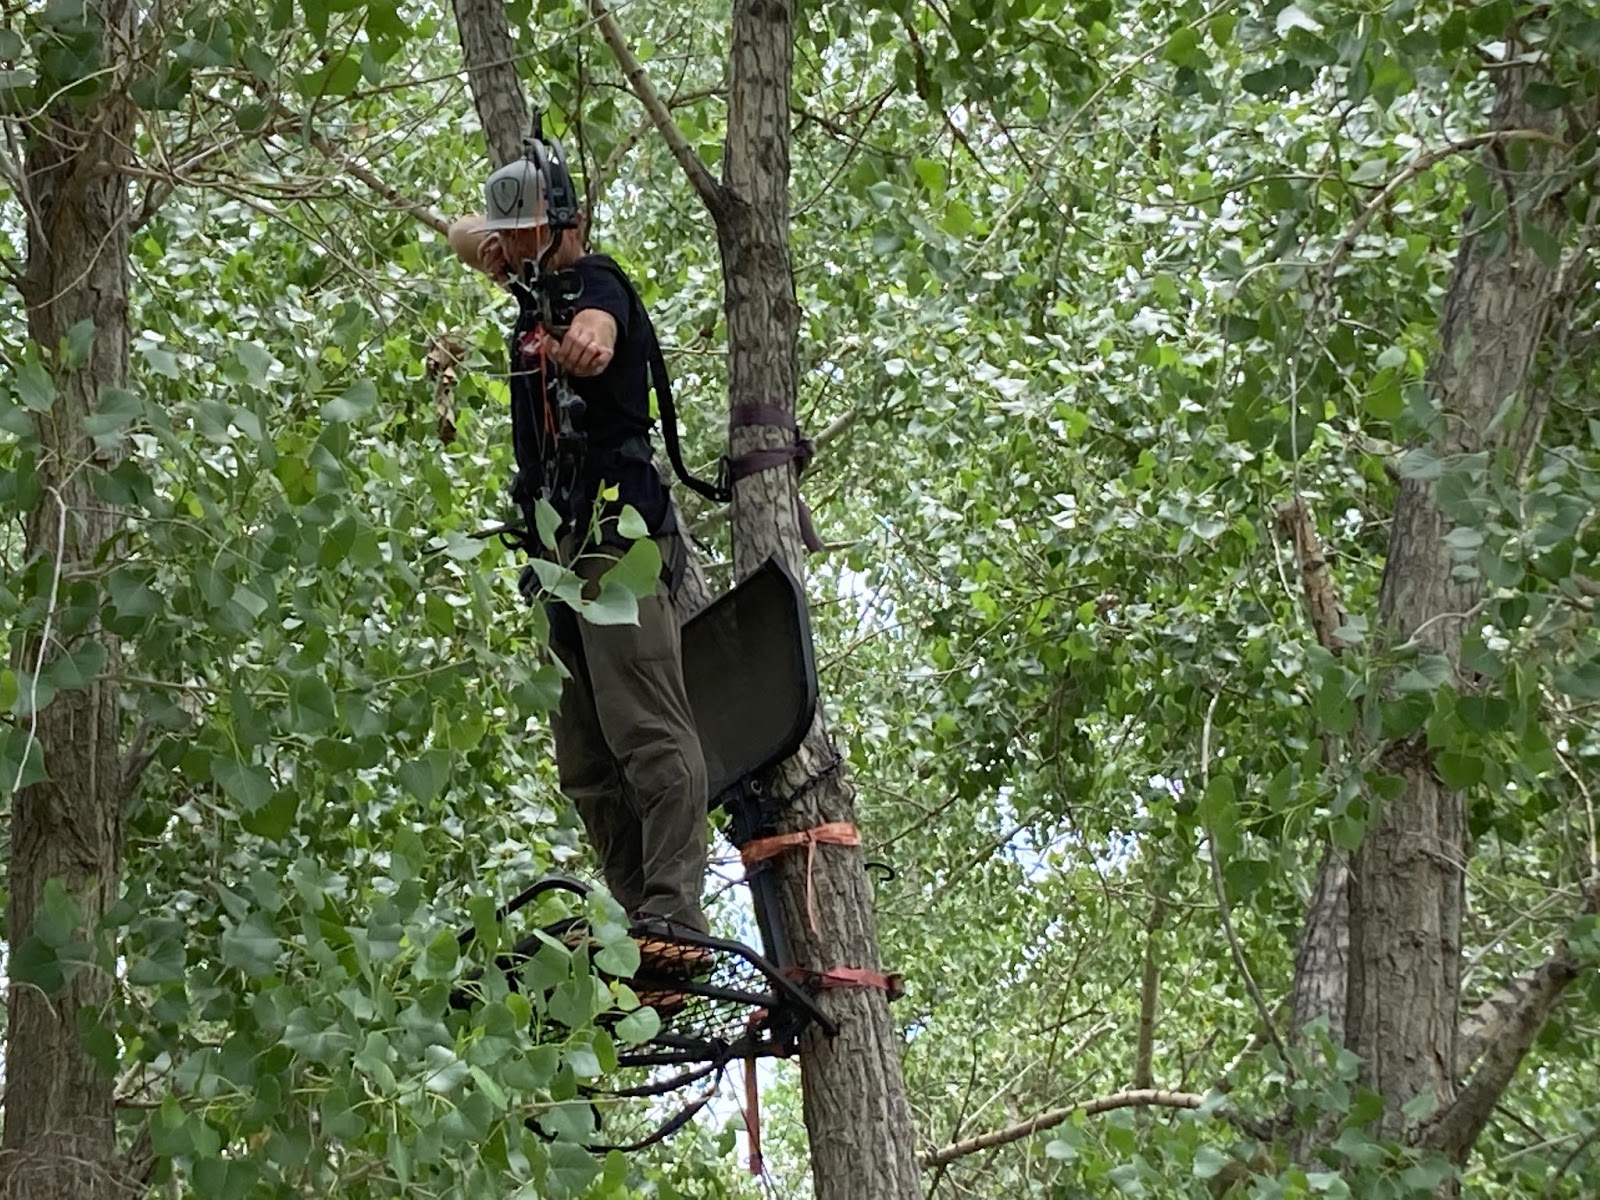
771	416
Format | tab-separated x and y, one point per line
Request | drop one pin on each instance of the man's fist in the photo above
588	345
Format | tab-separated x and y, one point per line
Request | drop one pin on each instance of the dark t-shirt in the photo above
617	401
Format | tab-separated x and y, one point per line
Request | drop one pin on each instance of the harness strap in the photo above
834	833
839	978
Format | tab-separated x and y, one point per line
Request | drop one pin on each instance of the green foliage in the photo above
1066	269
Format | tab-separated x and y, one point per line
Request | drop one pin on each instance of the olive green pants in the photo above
627	753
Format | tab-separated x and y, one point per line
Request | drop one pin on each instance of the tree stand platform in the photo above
751	677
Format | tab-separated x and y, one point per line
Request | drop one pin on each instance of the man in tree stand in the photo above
626	748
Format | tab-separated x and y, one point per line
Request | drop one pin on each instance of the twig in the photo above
1140	1098
1420	164
1566	1163
709	189
1222	891
44	638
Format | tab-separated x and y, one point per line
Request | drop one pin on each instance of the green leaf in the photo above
617	604
312	705
619	958
244	784
59	916
76	346
630	524
638	1026
549	522
569	1121
1219	812
1459	771
257	363
1581	680
1546	97
274	819
35	388
358	399
1336	713
161	361
572	1169
425	776
1431	671
250	117
1209	1161
165	963
34	962
639	570
117	409
252	946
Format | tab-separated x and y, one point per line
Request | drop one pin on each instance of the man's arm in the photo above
589	343
479	250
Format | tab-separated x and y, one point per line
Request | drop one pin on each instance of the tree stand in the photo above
751	677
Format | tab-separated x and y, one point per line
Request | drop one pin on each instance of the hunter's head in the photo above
516	208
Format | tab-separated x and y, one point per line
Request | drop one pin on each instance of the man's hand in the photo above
588	345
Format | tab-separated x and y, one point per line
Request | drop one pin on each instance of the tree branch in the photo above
1416	167
1149	991
709	190
421	212
1498	1037
1139	1098
1503	1044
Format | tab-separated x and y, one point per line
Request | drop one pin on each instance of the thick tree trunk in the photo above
859	1122
60	1130
492	76
1407	878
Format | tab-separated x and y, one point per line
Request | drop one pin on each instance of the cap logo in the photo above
506	193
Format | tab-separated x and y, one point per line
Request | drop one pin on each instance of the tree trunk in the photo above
1407	877
60	1122
1321	959
490	58
861	1133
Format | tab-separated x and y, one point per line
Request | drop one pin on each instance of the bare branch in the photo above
1504	1044
1149	991
709	190
421	212
1139	1098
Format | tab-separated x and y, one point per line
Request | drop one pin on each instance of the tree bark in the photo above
60	1131
1407	877
490	58
861	1133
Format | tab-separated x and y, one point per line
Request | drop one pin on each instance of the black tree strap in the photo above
741	416
800	451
